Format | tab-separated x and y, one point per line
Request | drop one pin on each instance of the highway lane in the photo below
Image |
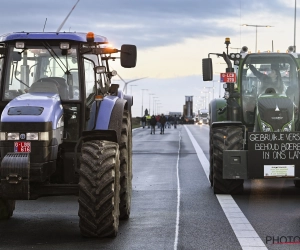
272	208
173	206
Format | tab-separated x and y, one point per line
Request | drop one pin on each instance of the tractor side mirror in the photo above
128	56
207	69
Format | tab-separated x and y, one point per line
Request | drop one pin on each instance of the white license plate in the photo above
279	171
22	147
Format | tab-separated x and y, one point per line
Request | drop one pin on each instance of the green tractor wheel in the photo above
225	138
7	208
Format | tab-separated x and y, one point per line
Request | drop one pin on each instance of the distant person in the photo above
148	118
152	124
168	123
157	121
144	121
162	121
175	120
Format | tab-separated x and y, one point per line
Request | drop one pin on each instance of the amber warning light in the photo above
90	37
228	77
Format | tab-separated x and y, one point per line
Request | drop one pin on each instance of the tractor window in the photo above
267	75
1	63
35	68
89	73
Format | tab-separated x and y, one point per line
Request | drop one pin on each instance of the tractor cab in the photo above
269	87
71	65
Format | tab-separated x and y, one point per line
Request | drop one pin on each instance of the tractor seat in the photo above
60	84
270	91
42	87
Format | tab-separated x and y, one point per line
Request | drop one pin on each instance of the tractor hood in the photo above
34	107
276	112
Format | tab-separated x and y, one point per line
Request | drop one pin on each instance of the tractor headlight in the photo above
44	136
287	127
32	136
266	127
13	136
2	136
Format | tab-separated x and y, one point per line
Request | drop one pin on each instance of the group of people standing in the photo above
161	120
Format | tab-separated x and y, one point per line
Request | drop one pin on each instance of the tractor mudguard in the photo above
110	114
129	100
105	111
117	117
214	110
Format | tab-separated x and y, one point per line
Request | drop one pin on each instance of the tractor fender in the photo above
105	111
110	114
214	107
116	118
129	99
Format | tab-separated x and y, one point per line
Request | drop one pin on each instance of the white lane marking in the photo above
178	197
245	233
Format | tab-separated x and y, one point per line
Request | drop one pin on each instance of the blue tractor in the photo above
65	129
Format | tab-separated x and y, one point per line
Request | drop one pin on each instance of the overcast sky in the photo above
172	37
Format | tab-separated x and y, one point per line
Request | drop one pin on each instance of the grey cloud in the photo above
144	23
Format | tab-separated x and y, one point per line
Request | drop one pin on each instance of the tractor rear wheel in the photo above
7	208
225	138
99	189
125	166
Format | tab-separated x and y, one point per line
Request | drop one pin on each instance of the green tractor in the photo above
254	128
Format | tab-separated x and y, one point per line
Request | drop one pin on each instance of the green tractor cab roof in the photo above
72	36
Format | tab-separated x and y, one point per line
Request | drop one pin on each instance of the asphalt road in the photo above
173	206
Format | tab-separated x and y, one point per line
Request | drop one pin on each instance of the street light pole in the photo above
143	100
295	28
154	97
149	102
256	26
209	91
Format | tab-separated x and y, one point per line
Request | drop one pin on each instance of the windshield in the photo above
268	74
42	69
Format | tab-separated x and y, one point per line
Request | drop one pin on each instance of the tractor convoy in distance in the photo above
255	128
65	129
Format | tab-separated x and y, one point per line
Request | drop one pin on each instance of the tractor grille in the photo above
275	111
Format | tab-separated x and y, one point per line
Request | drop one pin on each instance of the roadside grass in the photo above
136	122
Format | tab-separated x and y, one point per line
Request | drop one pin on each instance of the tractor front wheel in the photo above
7	208
99	189
125	166
225	138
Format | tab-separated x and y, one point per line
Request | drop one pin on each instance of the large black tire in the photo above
225	138
7	208
99	189
125	166
211	151
297	183
211	158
